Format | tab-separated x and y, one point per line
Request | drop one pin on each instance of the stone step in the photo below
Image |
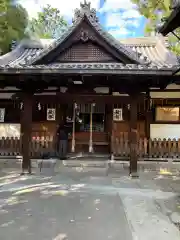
89	156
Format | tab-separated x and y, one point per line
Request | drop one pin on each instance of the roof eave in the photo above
15	71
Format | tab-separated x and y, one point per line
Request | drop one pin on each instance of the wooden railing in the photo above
12	146
153	148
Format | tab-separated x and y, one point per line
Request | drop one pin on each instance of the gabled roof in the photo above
149	53
85	13
153	48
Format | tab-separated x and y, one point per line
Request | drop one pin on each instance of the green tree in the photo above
48	24
13	22
155	11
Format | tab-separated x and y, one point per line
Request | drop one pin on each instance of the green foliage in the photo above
13	22
154	11
48	24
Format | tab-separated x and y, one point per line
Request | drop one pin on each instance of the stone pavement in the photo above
85	203
142	165
58	207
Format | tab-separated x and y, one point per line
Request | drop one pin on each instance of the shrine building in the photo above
101	86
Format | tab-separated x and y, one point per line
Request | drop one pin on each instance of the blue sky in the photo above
119	17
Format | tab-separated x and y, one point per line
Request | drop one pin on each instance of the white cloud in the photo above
122	15
134	23
111	5
131	13
116	20
119	32
31	6
66	7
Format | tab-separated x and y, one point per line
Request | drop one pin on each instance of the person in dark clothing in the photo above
62	141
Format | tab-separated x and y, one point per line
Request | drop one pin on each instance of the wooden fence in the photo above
153	148
39	145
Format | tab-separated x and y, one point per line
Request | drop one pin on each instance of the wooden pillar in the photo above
91	129
73	144
148	115
60	110
58	113
133	135
26	128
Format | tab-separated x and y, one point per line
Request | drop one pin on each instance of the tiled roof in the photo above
148	51
25	50
154	48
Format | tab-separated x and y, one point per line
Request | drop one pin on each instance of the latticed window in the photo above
85	52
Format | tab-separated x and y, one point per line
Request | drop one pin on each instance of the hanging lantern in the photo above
39	106
51	114
21	105
2	114
151	103
75	105
128	106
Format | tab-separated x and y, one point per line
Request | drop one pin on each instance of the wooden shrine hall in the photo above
98	84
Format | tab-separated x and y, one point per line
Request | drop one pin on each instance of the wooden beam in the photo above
68	98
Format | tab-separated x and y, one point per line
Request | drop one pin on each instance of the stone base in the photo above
26	173
134	175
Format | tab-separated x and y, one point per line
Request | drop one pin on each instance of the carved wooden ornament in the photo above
117	114
2	114
51	114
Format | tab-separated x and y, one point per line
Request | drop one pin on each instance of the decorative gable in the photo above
85	52
85	29
84	45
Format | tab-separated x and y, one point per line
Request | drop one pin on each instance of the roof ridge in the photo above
139	44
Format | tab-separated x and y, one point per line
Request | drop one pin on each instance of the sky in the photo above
119	17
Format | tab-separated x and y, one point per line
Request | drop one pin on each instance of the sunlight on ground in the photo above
48	188
10	179
11	201
32	186
97	201
56	192
164	171
9	176
27	190
61	236
7	223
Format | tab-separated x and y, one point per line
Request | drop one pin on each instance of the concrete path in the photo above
85	204
56	208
